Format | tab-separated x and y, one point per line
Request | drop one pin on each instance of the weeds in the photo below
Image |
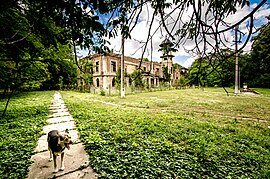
191	138
20	129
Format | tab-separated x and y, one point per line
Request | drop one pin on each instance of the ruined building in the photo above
106	66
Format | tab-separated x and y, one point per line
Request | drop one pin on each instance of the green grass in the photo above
20	129
178	133
263	91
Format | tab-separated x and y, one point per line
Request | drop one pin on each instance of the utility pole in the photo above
122	68
236	85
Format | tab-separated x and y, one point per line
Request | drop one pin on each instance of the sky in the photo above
132	46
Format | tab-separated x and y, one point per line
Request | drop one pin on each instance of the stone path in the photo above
76	160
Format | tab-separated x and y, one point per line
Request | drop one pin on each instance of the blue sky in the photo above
181	57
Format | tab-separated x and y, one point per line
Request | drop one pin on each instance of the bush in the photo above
102	93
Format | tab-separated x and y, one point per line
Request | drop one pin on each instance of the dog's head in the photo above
65	139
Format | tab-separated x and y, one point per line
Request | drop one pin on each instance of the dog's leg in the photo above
62	167
51	157
54	164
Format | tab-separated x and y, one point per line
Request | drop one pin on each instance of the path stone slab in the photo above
59	126
74	159
58	110
59	114
74	136
54	107
60	119
56	102
43	144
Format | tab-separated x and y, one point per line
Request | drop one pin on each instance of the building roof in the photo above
166	42
127	58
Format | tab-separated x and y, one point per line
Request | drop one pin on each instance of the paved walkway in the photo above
76	160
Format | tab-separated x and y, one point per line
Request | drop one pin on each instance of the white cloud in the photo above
247	48
189	62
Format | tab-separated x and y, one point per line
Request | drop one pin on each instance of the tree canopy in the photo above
218	72
256	71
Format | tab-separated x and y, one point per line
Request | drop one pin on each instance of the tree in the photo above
86	72
166	74
137	79
166	47
181	82
176	66
117	78
217	72
259	63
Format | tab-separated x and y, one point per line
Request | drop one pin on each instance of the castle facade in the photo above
105	68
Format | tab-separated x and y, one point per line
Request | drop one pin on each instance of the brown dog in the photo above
57	142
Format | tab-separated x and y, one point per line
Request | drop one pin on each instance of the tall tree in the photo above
259	66
137	79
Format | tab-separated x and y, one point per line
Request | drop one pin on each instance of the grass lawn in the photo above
175	134
263	91
20	129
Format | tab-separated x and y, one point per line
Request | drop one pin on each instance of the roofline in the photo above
115	55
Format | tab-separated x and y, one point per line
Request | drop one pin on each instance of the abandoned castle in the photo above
105	68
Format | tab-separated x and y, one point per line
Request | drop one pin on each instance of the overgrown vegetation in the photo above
20	129
187	134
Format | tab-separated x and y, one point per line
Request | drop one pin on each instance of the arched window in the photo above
97	82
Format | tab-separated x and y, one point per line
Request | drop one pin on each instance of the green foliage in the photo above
212	71
19	131
166	47
32	76
256	67
34	58
46	73
167	75
166	50
205	139
88	79
137	78
176	66
26	76
64	73
102	93
34	32
117	79
181	82
86	72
